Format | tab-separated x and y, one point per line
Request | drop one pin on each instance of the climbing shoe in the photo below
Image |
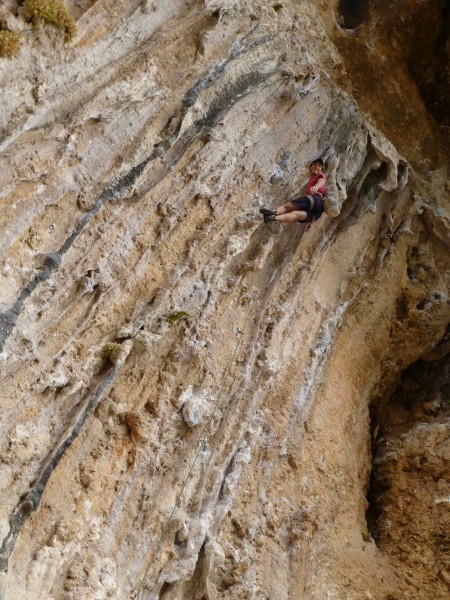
268	218
267	212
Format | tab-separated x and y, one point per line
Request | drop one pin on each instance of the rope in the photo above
204	440
206	434
283	79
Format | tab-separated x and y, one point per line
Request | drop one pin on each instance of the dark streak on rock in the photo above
239	48
53	260
30	501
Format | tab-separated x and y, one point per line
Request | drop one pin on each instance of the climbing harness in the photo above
311	201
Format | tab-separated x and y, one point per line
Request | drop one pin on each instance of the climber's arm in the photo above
320	183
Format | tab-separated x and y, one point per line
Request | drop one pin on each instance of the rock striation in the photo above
196	405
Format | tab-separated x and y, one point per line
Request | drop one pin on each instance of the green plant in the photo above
365	534
9	43
411	260
55	12
111	351
176	316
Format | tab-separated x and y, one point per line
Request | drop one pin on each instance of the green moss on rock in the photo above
9	43
176	316
54	12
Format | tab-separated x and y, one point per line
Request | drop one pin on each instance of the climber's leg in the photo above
285	208
294	215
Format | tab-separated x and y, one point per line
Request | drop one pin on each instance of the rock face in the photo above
409	487
196	405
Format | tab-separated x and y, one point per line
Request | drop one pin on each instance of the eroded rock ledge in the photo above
192	401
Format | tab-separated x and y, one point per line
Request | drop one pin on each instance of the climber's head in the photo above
316	166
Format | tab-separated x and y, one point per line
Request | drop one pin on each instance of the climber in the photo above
307	208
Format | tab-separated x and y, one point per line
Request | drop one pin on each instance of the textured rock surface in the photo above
191	399
411	472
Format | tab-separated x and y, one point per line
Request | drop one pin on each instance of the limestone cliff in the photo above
196	405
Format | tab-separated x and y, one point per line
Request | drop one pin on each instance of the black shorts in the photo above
304	204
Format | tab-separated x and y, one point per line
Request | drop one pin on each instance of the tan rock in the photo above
195	404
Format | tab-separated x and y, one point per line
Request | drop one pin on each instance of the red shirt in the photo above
312	182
